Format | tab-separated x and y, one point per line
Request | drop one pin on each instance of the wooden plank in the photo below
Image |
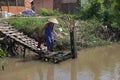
25	44
8	32
5	27
52	54
20	37
10	29
1	38
16	34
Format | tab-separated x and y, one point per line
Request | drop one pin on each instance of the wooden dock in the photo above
12	37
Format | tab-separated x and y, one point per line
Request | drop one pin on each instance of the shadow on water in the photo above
102	63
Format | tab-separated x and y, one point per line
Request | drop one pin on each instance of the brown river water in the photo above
101	63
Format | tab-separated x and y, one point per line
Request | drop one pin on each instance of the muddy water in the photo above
102	63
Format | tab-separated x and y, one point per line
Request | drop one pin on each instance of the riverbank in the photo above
91	33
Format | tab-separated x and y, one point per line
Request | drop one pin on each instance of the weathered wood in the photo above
16	34
6	27
19	37
24	52
8	32
73	42
1	38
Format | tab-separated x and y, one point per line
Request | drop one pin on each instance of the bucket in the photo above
4	14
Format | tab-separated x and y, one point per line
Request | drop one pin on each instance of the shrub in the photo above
26	22
28	25
2	53
91	10
87	36
70	16
46	12
105	11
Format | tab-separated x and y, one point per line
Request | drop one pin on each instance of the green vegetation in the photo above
86	37
2	53
28	25
105	11
46	12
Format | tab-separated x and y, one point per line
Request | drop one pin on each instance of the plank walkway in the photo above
19	37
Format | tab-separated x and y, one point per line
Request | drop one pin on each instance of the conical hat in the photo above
53	20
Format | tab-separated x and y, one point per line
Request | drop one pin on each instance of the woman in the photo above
49	34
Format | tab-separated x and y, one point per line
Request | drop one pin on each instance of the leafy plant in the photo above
46	12
2	53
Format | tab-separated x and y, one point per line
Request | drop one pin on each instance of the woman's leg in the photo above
52	45
49	43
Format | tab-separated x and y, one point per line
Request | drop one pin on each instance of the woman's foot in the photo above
49	52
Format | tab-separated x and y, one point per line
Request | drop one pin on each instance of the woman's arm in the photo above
42	31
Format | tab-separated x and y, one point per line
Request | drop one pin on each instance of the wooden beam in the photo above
1	38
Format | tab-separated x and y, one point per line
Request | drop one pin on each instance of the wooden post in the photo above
24	52
73	42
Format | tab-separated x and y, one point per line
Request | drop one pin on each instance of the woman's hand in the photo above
56	34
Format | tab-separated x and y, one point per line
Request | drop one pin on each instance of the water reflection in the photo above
85	75
92	64
117	72
106	75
